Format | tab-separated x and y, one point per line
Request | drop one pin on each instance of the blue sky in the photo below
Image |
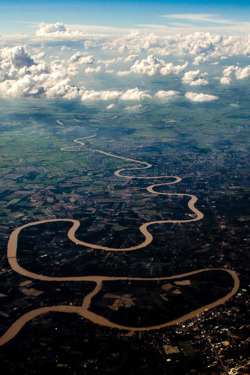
17	16
62	58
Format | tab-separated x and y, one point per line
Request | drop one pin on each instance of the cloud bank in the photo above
59	61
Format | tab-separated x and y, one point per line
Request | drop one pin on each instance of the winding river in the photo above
98	280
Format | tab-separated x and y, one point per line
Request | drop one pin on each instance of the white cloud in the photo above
58	31
39	56
92	95
97	29
152	66
50	28
225	80
177	24
181	40
242	73
200	59
190	76
26	76
110	61
87	60
198	17
131	58
17	57
207	21
199	82
110	106
25	70
81	59
202	44
133	43
195	97
228	71
131	94
93	70
133	108
135	94
123	72
166	95
193	78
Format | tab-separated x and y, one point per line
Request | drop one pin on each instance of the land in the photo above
41	182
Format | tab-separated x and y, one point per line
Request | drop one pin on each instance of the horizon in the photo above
122	16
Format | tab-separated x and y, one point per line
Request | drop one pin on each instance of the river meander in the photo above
84	310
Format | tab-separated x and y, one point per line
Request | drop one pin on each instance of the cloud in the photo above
39	56
110	106
152	66
200	59
81	59
98	29
45	29
228	71
176	24
25	70
193	78
195	97
133	43
240	73
110	61
199	82
135	94
93	95
17	57
23	75
206	22
225	80
133	108
166	95
131	58
198	17
131	94
58	31
178	40
123	72
93	70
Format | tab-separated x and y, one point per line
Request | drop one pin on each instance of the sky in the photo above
116	51
24	16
